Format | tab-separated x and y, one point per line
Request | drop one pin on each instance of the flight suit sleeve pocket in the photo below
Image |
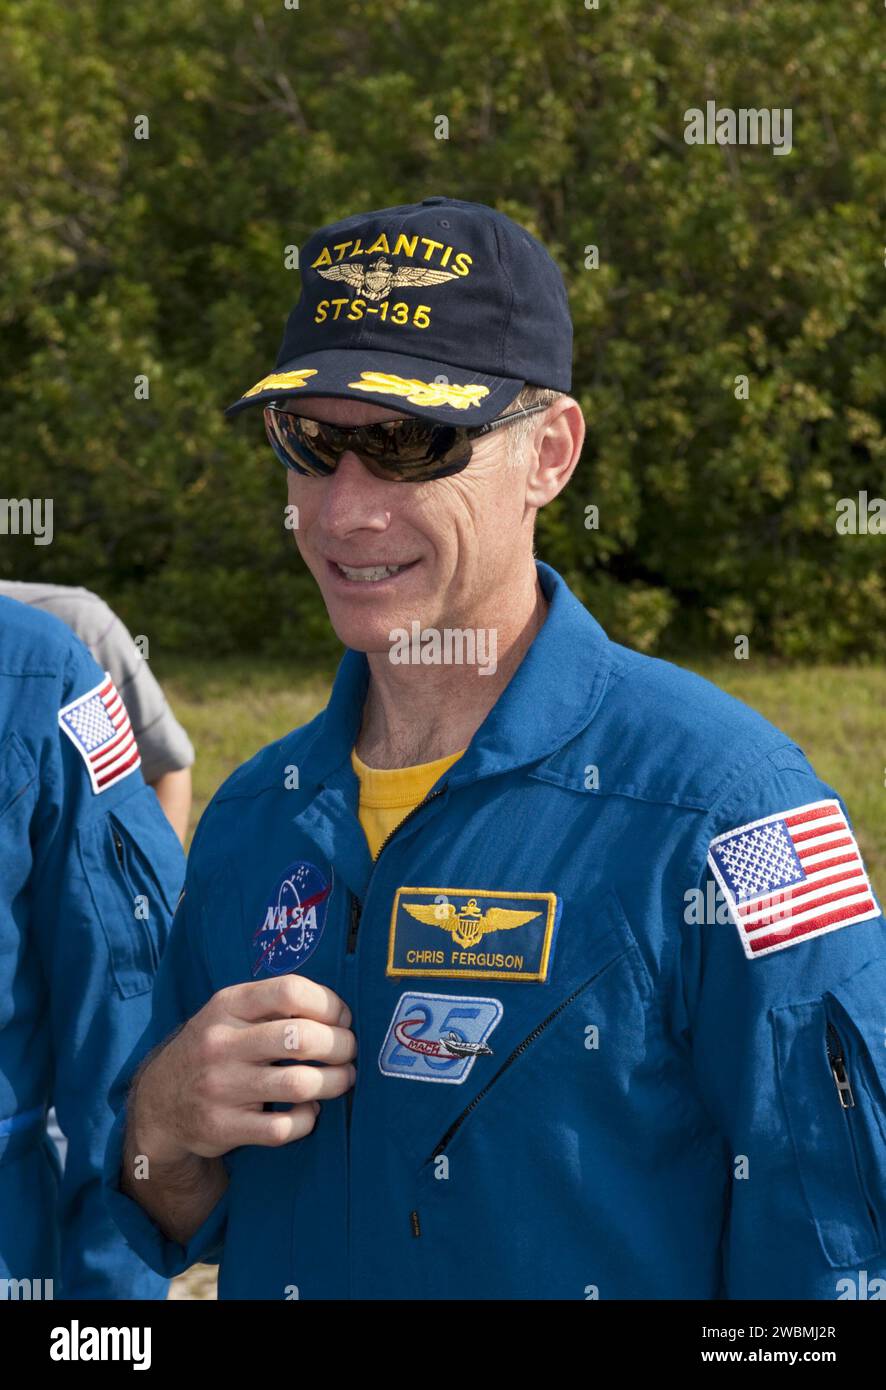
129	890
832	1074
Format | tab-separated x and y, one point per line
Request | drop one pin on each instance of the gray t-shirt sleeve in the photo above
162	742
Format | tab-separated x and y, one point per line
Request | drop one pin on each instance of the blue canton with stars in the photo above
760	860
90	723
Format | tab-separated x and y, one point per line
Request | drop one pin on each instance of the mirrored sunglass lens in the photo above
292	447
404	450
416	446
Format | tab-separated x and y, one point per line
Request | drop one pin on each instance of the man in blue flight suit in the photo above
90	870
601	942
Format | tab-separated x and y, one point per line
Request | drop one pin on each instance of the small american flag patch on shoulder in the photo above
791	876
98	726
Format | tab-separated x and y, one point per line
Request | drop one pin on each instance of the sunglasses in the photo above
403	451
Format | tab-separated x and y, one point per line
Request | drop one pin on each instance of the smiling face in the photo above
458	543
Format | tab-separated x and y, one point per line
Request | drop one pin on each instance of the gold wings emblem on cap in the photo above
470	925
376	280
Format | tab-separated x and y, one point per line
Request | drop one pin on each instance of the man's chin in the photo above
364	632
378	632
356	636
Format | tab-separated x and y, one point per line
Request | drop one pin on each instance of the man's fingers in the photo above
300	1084
252	1085
287	996
272	1128
297	1039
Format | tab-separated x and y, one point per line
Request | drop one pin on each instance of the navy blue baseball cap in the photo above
443	309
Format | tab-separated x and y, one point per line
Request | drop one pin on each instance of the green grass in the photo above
837	714
233	707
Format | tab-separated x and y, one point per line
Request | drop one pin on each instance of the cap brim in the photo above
409	385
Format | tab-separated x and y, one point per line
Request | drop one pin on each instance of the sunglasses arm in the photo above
505	420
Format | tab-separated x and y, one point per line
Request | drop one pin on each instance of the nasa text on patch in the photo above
792	876
438	1037
293	920
472	933
98	726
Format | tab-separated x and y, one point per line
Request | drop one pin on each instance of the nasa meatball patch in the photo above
792	876
293	920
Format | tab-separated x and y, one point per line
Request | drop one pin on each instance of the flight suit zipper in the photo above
509	1060
840	1073
353	925
356	909
120	854
442	1144
838	1068
355	914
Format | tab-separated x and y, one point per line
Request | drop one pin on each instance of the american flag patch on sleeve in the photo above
98	726
791	876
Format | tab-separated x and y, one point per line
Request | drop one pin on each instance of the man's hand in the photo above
202	1094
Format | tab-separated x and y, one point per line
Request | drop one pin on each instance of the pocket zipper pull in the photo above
118	847
838	1070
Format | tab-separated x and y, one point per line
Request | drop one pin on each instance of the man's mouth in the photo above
369	574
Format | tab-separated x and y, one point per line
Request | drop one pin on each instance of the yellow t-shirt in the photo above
389	794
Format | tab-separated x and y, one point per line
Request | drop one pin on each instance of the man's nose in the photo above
353	496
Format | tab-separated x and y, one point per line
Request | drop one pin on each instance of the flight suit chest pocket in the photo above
554	1039
132	866
17	773
831	1063
18	790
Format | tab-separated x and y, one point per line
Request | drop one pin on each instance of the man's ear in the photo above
556	450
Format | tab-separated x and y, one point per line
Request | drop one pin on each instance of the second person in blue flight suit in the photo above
90	871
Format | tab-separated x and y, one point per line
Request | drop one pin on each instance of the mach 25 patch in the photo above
438	1037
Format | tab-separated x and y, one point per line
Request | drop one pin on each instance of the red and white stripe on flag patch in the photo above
791	876
98	726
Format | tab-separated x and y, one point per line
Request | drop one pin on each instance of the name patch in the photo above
472	934
438	1037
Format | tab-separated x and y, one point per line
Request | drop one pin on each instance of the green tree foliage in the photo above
166	257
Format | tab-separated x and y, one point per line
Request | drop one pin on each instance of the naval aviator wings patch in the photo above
472	934
792	876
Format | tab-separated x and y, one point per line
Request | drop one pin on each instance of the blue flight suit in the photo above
634	1099
88	885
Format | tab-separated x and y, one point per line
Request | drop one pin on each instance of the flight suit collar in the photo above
553	694
551	697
